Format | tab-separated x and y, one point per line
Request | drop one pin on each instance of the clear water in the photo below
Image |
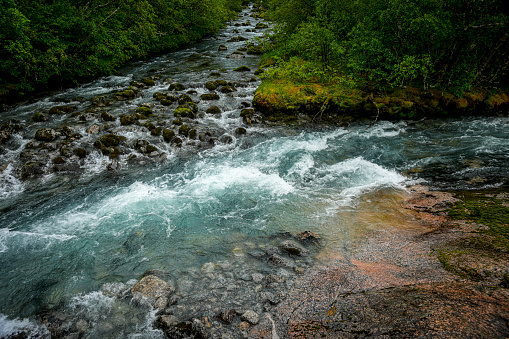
63	237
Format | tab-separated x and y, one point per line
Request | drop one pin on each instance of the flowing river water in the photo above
66	237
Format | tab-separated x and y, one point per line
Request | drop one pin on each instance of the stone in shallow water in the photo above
152	287
293	247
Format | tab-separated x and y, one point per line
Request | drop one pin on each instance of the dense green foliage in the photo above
61	42
451	44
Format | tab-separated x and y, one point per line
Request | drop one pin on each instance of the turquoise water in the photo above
63	237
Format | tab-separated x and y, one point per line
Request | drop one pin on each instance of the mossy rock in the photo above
140	116
191	105
60	110
221	82
4	136
215	74
127	94
148	81
236	55
144	110
184	112
193	134
213	110
168	135
176	87
127	119
261	25
109	140
107	116
156	131
46	134
68	131
240	131
39	117
184	98
246	112
211	85
209	96
177	142
242	68
59	160
222	48
228	89
237	39
81	152
184	130
31	169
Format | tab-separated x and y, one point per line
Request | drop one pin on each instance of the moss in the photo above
446	257
156	131
213	110
221	82
148	81
168	134
182	111
144	110
228	89
109	140
127	94
176	87
39	117
211	85
127	119
107	116
483	207
184	130
242	68
45	134
209	96
184	98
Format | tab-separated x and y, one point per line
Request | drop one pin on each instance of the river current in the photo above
63	236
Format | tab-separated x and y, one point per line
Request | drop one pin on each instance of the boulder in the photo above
184	98
176	87
144	110
213	110
109	140
39	117
127	119
46	134
293	248
168	135
61	110
107	116
148	81
211	85
209	96
182	111
153	288
222	48
242	68
228	89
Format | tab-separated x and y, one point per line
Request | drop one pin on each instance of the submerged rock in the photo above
153	288
293	247
209	96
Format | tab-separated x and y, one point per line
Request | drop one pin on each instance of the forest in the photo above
60	43
454	44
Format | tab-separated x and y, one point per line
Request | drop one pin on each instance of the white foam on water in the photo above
10	327
225	178
9	184
9	238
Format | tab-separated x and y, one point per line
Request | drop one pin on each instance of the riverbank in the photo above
431	276
282	101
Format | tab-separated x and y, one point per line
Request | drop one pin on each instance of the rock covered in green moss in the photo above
168	135
228	89
184	98
144	110
242	68
111	140
213	110
176	87
209	96
127	119
46	134
60	110
182	111
39	117
211	85
148	81
184	130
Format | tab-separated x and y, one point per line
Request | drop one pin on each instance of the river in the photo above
66	234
